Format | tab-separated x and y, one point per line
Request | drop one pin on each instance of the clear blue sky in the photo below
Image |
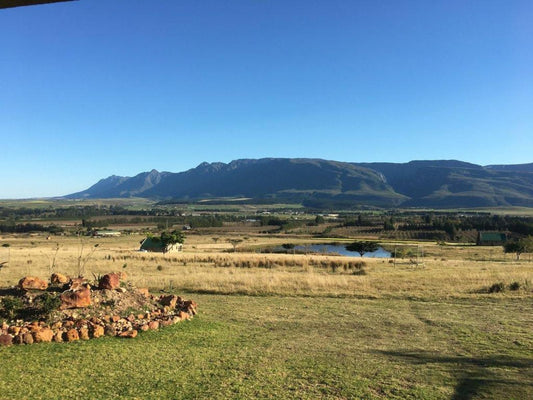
94	88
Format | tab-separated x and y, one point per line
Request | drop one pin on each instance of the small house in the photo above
491	238
156	245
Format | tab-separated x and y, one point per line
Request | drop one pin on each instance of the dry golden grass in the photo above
446	271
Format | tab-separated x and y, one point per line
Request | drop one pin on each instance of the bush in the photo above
514	286
48	303
11	306
497	287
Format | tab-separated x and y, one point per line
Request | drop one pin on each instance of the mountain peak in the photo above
324	183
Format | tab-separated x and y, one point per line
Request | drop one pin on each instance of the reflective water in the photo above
338	249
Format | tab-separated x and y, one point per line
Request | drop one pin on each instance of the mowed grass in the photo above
275	347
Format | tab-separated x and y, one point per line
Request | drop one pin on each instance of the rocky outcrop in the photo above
59	279
109	281
106	316
76	298
32	283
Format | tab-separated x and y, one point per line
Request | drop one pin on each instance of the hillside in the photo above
332	184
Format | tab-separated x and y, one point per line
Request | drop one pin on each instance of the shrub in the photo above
48	303
11	306
497	287
514	286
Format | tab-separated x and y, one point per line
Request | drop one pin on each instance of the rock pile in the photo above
82	313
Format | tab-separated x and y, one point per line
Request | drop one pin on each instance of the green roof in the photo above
152	244
492	237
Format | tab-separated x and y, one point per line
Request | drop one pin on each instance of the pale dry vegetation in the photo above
206	266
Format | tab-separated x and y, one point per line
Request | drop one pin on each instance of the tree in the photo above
514	246
319	220
388	224
524	245
362	247
168	238
234	243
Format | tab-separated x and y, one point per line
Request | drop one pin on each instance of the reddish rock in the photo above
32	283
131	318
191	306
144	291
19	339
109	282
184	315
77	299
57	325
97	331
77	283
115	318
68	324
58	337
27	338
165	322
84	333
57	278
129	334
81	323
144	328
153	325
168	300
14	330
72	335
110	330
44	335
6	340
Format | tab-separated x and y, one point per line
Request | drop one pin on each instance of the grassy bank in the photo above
300	348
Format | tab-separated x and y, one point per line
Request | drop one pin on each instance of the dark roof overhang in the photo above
21	3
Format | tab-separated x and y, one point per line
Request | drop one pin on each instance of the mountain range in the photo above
332	184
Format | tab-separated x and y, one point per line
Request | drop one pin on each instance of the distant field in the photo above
207	266
132	203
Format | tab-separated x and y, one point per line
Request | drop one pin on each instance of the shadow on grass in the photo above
472	373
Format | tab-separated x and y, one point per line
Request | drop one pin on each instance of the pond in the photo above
333	248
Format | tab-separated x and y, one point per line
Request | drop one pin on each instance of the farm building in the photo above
153	244
491	238
105	233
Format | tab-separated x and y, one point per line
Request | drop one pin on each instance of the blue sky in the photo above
94	88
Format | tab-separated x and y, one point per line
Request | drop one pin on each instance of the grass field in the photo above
290	326
296	348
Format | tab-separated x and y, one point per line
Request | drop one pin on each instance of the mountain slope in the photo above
457	184
321	183
271	178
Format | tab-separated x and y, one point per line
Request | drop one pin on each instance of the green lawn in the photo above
296	347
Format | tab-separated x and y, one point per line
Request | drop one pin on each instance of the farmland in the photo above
427	325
